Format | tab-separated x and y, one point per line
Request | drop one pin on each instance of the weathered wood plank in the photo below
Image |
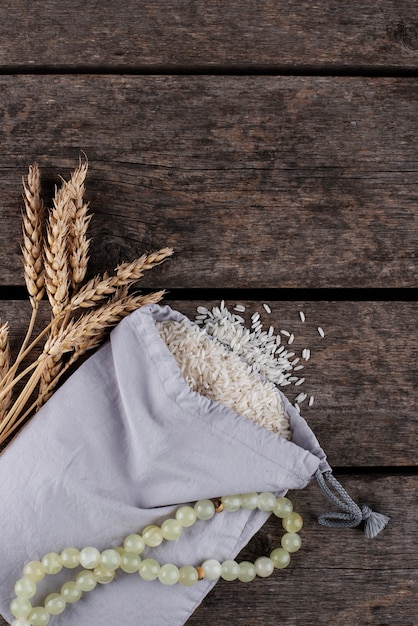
338	577
363	374
175	33
255	181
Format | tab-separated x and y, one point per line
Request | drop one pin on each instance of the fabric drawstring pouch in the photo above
100	487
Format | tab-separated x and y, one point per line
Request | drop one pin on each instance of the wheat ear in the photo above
78	244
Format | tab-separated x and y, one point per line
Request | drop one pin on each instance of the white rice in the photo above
219	374
267	308
321	331
302	316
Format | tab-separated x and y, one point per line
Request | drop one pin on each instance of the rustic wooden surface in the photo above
273	145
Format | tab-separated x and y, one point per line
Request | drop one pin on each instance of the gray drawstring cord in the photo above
350	513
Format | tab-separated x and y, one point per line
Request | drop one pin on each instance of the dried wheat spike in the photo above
4	365
32	235
53	366
78	244
55	252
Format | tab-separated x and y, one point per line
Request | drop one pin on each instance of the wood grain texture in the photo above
180	33
255	181
363	374
338	578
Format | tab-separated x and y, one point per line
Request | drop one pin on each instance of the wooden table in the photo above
274	146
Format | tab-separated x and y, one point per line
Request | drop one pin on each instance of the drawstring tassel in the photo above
350	513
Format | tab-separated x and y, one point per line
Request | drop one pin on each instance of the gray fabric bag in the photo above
119	446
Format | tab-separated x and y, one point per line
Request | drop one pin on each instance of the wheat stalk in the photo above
4	366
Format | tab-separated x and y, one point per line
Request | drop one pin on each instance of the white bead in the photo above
86	580
110	559
168	574
212	569
152	536
186	515
34	571
39	616
231	503
70	592
149	569
55	604
291	542
25	588
89	557
134	543
205	509
264	566
70	557
52	563
171	529
266	501
249	501
283	507
230	570
20	607
280	558
103	576
129	562
188	575
20	622
247	572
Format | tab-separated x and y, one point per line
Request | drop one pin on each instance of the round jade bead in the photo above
55	603
188	575
39	616
52	563
70	592
86	580
89	557
264	566
25	588
280	558
134	543
247	572
110	559
152	536
283	507
266	502
21	622
291	542
70	557
129	562
171	529
102	575
292	523
212	569
249	501
168	574
231	503
205	509
186	515
230	570
149	569
34	571
20	607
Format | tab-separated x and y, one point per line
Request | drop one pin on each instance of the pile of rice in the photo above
221	375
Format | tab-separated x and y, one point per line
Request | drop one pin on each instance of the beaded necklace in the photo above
100	567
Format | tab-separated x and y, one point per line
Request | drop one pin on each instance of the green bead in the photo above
152	536
55	604
70	592
283	507
188	575
186	515
247	572
205	509
86	580
266	502
264	566
70	558
231	503
110	559
102	575
171	529
134	543
212	569
129	562
52	563
149	569
280	558
39	616
34	571
20	607
168	574
230	570
25	588
249	501
292	523
291	542
89	557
